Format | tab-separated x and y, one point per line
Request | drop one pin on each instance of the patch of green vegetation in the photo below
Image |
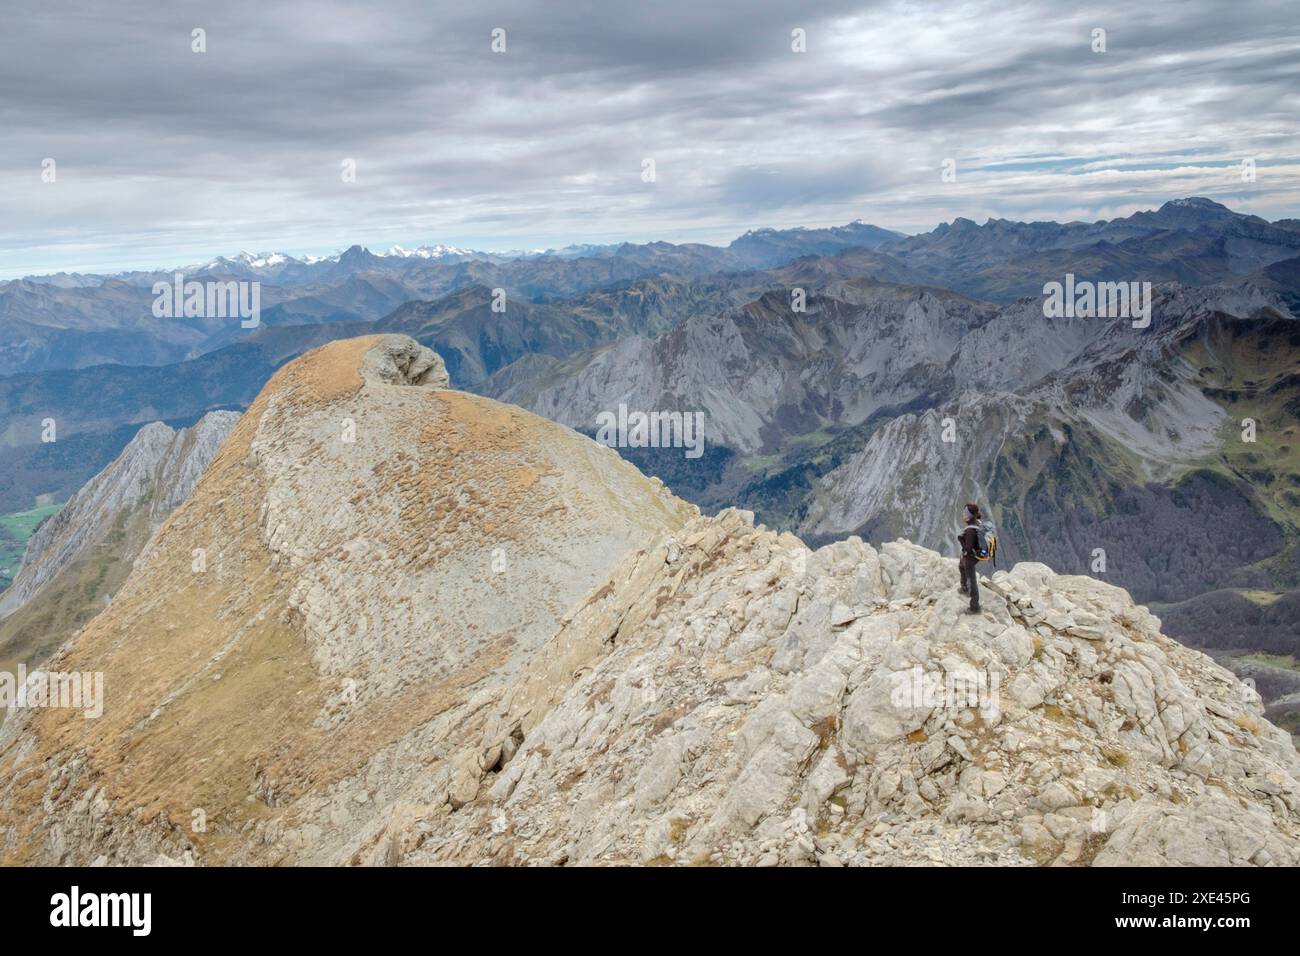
778	492
15	531
1261	598
814	439
1280	661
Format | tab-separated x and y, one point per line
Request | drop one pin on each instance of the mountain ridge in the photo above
680	688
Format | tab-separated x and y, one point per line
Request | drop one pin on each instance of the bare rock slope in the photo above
353	680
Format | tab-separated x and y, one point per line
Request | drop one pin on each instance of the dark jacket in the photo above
970	541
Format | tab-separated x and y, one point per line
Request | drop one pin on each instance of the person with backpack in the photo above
969	539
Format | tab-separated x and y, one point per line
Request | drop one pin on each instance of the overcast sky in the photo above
165	156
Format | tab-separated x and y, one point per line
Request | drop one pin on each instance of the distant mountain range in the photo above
75	321
826	417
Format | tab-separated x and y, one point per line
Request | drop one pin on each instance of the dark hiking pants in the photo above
970	582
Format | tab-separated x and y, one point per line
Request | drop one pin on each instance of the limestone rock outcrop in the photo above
761	704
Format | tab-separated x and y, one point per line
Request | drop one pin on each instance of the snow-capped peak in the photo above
260	260
426	252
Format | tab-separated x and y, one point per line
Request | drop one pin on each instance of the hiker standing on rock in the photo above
969	560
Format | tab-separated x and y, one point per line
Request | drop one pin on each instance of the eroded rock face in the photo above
353	682
399	360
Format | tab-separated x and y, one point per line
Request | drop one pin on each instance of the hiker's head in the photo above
972	514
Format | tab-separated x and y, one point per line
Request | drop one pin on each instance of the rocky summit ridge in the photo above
433	628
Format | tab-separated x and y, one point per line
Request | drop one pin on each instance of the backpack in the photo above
986	542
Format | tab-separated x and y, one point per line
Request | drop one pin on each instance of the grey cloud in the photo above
163	153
